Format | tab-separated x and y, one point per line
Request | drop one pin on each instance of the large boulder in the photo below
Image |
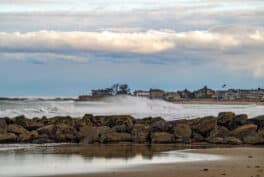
25	137
29	124
224	140
21	120
239	120
162	137
261	132
196	137
90	134
216	140
111	121
160	126
225	119
8	138
16	129
47	131
203	126
66	120
149	120
244	130
112	137
253	139
182	133
43	140
122	128
140	133
259	121
126	120
220	131
3	125
34	134
66	133
232	140
82	122
86	120
35	124
217	136
96	121
182	130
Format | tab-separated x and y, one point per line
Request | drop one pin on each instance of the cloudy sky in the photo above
67	47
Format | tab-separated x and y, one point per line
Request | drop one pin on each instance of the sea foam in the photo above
136	106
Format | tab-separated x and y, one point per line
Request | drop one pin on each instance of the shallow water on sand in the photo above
35	160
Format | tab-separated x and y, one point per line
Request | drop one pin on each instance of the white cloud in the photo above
258	68
135	42
236	48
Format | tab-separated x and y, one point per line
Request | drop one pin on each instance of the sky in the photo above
67	47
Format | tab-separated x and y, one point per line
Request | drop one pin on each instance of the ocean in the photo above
135	106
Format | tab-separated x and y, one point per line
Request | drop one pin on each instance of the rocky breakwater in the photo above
226	128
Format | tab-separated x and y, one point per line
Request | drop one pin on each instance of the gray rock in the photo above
8	138
182	131
140	133
112	137
232	141
253	139
244	130
225	119
162	137
204	126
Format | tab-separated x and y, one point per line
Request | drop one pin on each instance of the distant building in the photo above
220	94
88	98
230	94
102	92
156	94
204	93
261	93
142	93
240	94
172	96
186	94
251	94
122	89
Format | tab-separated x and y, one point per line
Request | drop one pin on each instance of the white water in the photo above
135	106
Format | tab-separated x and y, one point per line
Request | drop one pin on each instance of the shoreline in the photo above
190	101
221	102
236	162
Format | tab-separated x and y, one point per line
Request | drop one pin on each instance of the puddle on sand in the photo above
42	161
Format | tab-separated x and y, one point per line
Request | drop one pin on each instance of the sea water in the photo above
135	106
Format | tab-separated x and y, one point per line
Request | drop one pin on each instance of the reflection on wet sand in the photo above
79	159
122	150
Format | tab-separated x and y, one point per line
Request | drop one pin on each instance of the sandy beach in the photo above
237	162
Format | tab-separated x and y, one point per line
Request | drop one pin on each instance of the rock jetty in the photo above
226	128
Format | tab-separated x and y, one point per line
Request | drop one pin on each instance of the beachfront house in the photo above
156	94
186	94
102	92
172	96
231	94
141	93
253	94
205	92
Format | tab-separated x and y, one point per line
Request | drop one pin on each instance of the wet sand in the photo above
237	162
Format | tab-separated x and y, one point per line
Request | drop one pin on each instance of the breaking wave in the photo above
135	106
